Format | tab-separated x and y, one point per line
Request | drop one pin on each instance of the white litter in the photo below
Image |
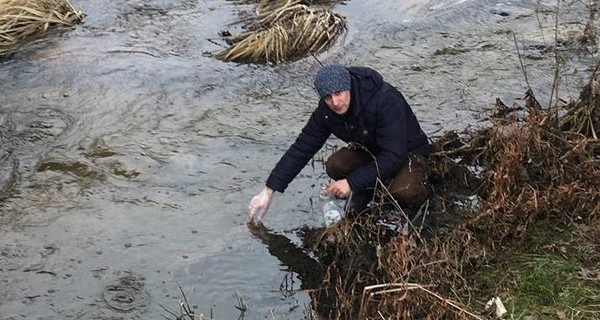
499	308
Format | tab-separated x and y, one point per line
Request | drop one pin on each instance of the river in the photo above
129	154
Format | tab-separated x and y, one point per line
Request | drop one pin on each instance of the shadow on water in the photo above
310	271
345	255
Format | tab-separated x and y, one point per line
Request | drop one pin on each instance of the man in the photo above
385	142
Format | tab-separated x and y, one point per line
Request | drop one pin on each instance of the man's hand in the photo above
259	204
340	189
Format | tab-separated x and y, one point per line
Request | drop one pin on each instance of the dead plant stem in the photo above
521	62
414	286
556	58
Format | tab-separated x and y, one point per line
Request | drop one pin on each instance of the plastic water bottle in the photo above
332	212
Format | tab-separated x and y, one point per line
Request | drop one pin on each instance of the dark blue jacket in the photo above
379	118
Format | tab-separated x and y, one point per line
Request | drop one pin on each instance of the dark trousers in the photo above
408	187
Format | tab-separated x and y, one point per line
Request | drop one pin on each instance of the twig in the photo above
557	66
169	311
413	286
521	62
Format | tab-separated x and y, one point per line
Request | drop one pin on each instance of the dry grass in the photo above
584	120
541	169
532	170
20	20
284	31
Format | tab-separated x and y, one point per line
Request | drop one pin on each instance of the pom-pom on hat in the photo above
332	78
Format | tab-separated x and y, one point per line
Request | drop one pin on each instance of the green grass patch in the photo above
557	282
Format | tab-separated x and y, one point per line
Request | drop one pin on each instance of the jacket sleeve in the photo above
311	139
391	139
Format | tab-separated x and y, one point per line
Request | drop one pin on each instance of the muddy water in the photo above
128	154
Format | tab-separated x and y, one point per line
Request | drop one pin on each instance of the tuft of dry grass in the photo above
20	20
524	172
284	31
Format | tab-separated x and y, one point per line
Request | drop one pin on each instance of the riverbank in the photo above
515	217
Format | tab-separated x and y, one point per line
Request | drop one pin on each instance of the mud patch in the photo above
72	167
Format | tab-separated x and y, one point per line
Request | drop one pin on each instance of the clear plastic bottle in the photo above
332	212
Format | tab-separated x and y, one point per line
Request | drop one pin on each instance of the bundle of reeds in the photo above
284	31
583	116
22	19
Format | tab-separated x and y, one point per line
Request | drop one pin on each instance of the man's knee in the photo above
414	195
334	168
344	161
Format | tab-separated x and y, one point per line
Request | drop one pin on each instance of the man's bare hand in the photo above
340	189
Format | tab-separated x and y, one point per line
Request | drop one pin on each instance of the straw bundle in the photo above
284	32
584	115
21	19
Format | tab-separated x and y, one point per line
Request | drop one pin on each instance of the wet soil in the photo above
128	154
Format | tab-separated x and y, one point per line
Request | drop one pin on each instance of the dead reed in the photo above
284	31
494	184
22	19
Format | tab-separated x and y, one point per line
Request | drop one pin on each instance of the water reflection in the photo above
310	271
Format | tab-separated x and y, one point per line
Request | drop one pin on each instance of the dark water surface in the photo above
128	155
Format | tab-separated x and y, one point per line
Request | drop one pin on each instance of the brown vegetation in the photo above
493	187
21	20
284	31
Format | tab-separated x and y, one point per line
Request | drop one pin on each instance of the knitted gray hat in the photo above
332	78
